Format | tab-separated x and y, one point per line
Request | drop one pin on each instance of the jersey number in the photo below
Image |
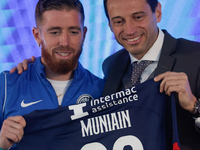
119	144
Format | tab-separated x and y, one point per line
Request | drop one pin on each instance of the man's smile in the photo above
64	54
133	40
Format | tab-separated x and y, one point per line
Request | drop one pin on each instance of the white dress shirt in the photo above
153	54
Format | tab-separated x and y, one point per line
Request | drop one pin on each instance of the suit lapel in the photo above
116	73
166	61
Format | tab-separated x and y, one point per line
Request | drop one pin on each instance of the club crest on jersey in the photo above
84	98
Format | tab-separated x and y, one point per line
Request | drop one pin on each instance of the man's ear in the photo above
158	12
37	36
110	27
84	33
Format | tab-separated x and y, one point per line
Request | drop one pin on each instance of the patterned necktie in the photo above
137	70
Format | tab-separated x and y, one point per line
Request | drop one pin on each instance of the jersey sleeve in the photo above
2	95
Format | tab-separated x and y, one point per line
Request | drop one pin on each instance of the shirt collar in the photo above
39	68
154	52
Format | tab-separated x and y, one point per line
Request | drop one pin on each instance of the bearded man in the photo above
57	79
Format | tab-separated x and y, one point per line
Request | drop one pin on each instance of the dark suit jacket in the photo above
178	55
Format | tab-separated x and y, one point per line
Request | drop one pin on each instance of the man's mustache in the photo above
63	49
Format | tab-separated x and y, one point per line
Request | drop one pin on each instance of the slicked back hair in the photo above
152	3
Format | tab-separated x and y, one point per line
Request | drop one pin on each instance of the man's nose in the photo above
130	28
64	40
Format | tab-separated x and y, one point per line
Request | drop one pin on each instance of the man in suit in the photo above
175	62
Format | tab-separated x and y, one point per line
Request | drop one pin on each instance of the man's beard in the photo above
61	66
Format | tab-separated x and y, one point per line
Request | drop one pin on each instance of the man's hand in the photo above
23	66
177	82
12	131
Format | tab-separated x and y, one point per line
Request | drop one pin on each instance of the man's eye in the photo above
54	33
138	18
74	32
118	22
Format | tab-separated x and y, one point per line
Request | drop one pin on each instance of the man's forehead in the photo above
125	3
121	7
62	16
66	12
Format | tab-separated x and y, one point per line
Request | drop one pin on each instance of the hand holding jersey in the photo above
177	82
12	131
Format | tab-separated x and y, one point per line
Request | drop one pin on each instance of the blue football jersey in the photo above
22	94
139	118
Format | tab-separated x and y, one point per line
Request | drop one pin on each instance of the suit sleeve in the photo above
105	68
197	121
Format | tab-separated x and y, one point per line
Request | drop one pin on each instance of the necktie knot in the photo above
137	69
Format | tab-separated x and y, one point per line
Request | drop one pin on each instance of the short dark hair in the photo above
45	5
153	4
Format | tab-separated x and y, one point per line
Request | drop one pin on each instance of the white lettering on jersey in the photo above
78	111
105	123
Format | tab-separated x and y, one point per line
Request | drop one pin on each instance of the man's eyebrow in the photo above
53	28
117	17
59	28
136	13
140	12
75	27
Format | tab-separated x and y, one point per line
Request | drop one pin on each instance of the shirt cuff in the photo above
197	122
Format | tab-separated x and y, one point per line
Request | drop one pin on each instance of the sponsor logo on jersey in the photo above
84	98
